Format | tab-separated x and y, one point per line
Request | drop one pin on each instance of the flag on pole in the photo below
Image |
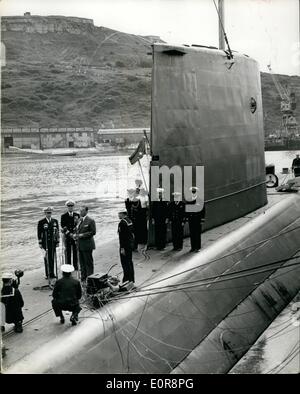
139	152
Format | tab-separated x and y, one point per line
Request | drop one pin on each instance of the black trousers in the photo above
127	265
50	256
58	307
177	234
160	229
195	228
71	249
86	263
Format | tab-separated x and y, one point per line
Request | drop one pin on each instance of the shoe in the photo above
2	329
73	320
192	250
62	320
18	328
196	250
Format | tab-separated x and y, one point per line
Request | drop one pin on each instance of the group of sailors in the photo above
79	229
177	212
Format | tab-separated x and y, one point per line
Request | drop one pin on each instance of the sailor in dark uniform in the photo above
128	201
159	214
66	295
126	239
195	217
68	223
11	303
177	218
48	237
296	166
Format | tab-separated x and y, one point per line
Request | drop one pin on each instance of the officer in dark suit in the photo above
48	237
66	295
126	239
177	218
68	223
86	229
195	216
160	219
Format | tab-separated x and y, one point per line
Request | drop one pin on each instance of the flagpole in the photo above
143	176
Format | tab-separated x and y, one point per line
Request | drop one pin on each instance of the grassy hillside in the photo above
100	78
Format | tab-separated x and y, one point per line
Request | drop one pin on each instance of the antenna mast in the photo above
221	24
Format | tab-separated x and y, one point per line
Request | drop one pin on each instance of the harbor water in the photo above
29	183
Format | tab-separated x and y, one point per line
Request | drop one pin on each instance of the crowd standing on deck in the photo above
78	231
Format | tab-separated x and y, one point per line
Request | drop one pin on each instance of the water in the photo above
277	350
31	183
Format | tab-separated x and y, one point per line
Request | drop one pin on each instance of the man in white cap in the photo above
68	223
195	218
177	218
48	238
126	240
66	295
159	215
11	303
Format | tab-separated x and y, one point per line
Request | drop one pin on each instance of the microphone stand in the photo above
49	285
54	241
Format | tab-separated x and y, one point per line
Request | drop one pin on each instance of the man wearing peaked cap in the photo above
48	238
159	213
195	218
177	218
68	222
66	295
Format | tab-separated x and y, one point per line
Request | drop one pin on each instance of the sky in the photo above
267	30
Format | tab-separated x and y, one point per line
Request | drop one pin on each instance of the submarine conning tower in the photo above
207	111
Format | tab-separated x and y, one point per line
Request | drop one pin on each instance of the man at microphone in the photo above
68	223
48	237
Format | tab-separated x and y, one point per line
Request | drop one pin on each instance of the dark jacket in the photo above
199	215
159	211
87	229
177	211
126	237
52	233
68	224
67	291
296	163
13	301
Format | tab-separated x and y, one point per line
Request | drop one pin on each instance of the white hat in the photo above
160	189
193	188
70	202
67	268
7	275
48	209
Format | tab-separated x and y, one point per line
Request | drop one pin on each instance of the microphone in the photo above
45	226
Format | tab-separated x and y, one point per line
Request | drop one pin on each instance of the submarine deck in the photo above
40	324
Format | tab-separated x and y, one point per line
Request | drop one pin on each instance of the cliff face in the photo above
64	71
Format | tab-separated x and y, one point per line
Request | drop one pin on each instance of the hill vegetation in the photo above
89	76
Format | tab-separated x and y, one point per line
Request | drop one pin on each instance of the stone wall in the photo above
46	24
